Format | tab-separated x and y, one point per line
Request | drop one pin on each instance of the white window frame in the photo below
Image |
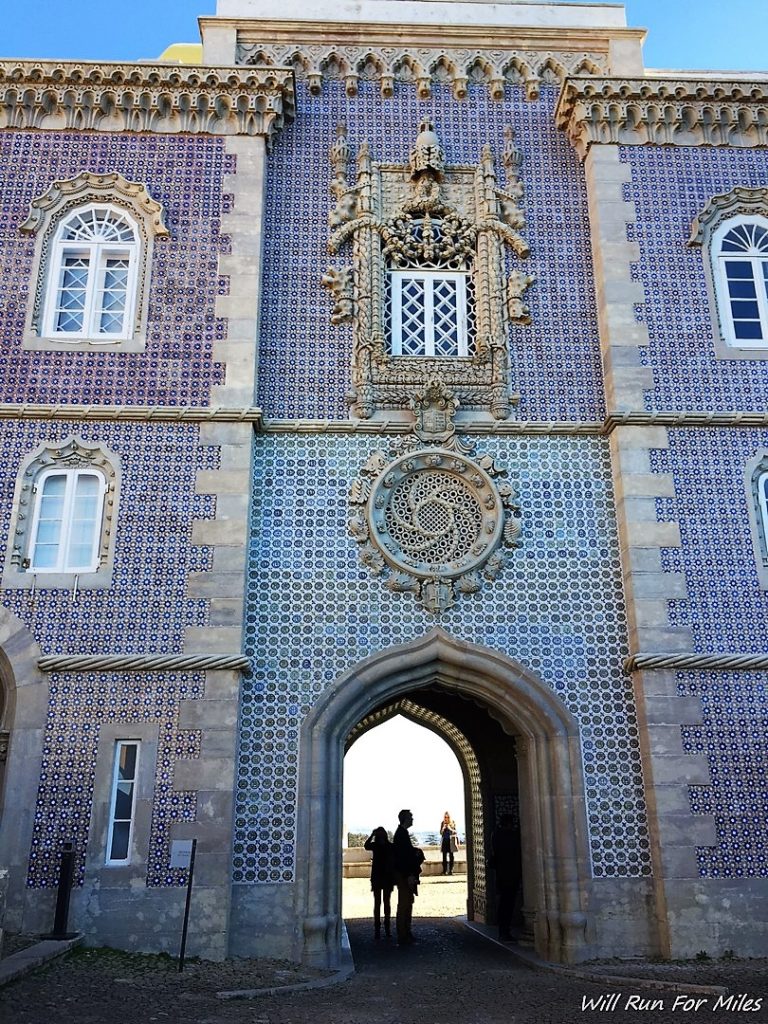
119	746
429	277
72	476
98	253
722	294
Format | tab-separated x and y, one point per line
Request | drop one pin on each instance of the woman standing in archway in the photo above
382	878
449	842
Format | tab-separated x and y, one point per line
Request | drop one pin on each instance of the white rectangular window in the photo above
122	804
428	313
66	524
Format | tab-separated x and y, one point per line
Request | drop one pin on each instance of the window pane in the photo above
119	847
45	551
127	765
84	523
743	309
111	301
70	300
123	800
445	317
412	321
748	330
742	289
738	269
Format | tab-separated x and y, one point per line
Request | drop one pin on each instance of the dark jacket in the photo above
407	857
382	866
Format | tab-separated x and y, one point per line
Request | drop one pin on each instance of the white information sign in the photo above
181	853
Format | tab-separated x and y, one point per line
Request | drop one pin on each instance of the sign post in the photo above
183	856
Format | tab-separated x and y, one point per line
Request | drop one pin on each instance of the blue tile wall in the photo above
145	610
670	186
725	607
178	367
79	704
734	738
313	611
726	611
304	360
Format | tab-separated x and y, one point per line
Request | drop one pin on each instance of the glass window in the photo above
123	802
428	313
742	281
66	525
92	281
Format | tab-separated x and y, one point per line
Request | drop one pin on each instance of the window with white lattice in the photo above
92	281
92	263
67	521
428	313
62	530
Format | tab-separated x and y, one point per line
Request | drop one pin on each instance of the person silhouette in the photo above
449	842
407	861
382	878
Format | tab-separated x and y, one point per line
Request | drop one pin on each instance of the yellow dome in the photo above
182	53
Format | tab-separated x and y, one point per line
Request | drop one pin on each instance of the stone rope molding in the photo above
140	662
82	96
664	112
714	660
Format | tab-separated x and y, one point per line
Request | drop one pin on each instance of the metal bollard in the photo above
66	874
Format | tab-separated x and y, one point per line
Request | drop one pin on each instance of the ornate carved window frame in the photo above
48	212
428	216
72	453
721	213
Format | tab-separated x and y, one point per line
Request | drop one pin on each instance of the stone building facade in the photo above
404	361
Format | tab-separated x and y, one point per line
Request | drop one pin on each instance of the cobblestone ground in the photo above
452	975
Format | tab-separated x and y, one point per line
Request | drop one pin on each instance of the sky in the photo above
401	764
682	34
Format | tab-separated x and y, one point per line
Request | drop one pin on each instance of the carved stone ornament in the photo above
161	98
663	112
427	216
740	201
433	520
4	741
422	67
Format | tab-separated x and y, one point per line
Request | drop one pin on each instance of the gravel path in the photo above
451	975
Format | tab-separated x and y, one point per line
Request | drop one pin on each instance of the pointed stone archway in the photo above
23	709
552	803
473	796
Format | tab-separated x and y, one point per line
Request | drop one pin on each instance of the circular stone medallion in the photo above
435	514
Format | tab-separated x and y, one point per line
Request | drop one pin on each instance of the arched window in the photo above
94	239
66	522
92	281
740	266
64	516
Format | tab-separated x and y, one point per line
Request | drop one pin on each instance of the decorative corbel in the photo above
517	283
340	282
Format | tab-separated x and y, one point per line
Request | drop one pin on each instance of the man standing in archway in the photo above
407	860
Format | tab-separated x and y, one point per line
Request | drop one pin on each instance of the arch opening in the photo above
521	736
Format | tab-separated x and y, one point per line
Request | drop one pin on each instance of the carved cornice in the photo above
437	62
59	95
467	424
663	112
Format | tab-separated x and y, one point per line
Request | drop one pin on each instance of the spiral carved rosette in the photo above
433	522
